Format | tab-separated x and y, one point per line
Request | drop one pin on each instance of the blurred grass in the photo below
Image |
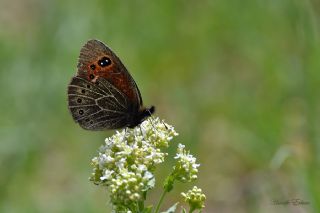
238	79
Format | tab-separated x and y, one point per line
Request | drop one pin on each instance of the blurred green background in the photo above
239	80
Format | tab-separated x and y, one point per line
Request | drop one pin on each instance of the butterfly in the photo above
103	95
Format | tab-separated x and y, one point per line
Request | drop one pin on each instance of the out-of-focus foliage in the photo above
239	80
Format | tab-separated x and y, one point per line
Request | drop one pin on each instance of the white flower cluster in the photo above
186	168
195	198
125	164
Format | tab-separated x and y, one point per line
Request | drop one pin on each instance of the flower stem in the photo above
191	210
140	206
160	201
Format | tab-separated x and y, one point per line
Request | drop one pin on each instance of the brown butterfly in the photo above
103	95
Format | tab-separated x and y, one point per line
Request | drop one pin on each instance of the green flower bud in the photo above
195	198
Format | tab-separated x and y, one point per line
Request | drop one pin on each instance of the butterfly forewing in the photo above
89	65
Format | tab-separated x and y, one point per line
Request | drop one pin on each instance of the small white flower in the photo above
186	168
104	159
120	163
107	175
148	175
142	168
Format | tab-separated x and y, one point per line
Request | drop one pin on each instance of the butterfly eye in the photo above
104	61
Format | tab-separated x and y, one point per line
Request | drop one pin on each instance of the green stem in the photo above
160	201
141	202
141	206
191	210
134	207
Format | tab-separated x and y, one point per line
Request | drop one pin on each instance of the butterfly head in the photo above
143	114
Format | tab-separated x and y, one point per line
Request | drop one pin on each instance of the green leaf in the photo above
172	209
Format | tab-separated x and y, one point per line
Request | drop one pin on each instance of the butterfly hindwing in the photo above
96	106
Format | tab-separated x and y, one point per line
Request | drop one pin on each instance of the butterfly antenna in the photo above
151	111
165	125
148	110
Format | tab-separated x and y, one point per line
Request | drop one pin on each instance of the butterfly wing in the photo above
96	60
97	106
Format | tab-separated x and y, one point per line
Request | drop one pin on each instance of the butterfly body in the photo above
103	95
